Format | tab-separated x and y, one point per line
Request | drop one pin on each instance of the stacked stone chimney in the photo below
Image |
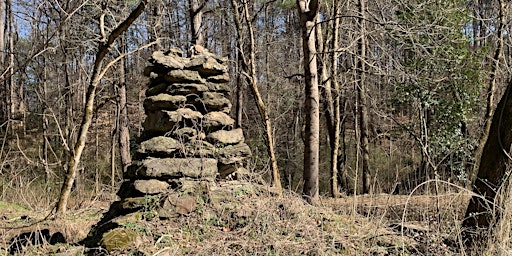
188	141
188	132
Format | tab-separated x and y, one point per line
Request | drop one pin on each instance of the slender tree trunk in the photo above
10	79
7	62
361	92
196	19
335	192
16	109
12	90
239	91
2	35
249	71
45	123
3	64
68	96
113	135
155	24
98	71
97	165
326	81
308	11
124	131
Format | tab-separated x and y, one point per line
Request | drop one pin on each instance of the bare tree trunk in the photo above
16	108
67	137
196	19
45	123
249	71
10	63
7	111
12	92
113	134
335	192
363	109
97	165
492	155
326	80
480	213
490	91
308	11
123	124
239	92
331	96
2	35
97	74
155	24
3	80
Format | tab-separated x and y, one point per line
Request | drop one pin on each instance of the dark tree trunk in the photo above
481	213
363	105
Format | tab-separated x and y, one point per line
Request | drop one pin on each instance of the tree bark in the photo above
491	172
3	80
74	160
308	11
361	93
249	71
14	90
2	35
239	92
124	131
490	92
196	19
335	175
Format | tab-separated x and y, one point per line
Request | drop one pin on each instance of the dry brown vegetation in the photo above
248	220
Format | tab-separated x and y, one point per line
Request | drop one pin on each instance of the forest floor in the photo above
251	221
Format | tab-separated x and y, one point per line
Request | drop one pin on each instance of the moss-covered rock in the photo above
120	239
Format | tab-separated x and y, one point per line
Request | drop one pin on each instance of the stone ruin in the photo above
188	142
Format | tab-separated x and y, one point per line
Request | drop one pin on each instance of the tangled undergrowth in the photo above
240	218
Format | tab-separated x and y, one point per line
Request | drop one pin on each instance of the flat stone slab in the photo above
168	168
233	153
139	188
189	114
168	60
160	145
222	78
182	89
164	101
213	121
186	89
226	137
184	76
206	66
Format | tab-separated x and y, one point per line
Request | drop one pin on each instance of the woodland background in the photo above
427	73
